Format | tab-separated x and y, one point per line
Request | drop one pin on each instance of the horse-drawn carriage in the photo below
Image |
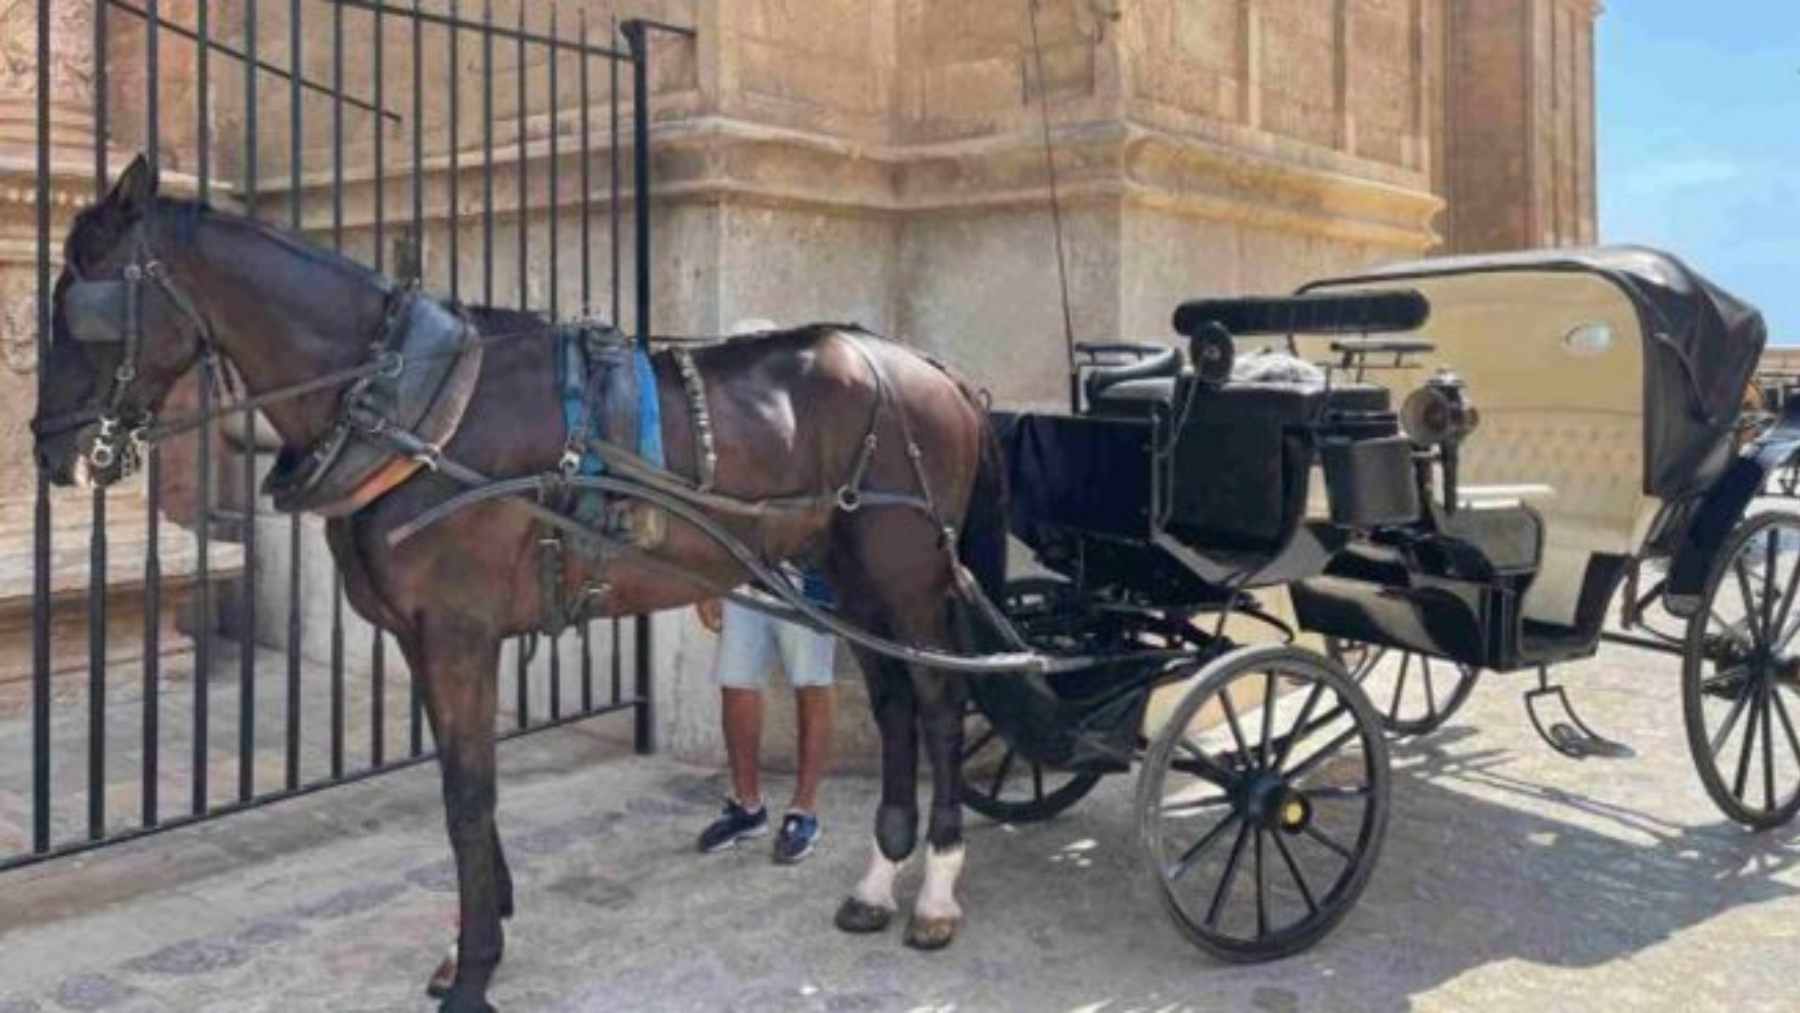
1495	447
1567	428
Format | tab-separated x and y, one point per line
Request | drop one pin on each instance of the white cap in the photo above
753	325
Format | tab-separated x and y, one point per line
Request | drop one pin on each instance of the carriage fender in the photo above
1723	507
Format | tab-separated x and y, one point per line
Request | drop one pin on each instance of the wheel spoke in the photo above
1768	749
1000	775
1330	749
1319	835
1207	768
1268	718
1371	657
1721	678
1743	768
1231	718
1733	630
1757	633
1287	856
1306	709
1399	687
1262	889
1194	805
1224	888
1769	592
1787	723
1430	698
1037	781
1737	708
1185	863
980	741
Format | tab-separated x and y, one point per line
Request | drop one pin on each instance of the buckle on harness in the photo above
570	462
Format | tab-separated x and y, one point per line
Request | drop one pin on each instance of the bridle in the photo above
109	311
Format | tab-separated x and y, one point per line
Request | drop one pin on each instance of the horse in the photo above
791	413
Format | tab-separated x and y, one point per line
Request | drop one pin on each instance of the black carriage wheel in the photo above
1413	694
1004	785
1740	676
1261	830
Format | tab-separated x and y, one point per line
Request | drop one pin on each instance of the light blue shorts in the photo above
749	642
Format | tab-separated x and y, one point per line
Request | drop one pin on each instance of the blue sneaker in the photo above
799	832
734	824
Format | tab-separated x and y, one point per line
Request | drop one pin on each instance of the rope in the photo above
1062	264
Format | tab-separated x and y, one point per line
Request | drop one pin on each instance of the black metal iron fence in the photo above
579	73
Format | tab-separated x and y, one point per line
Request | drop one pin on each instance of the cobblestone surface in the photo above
1512	879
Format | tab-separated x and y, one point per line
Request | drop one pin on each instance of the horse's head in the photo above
121	335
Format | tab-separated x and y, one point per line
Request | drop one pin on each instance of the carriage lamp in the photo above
1440	414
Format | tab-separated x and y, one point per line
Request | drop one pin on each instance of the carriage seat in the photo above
1285	401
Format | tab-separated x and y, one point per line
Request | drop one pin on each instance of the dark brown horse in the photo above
789	410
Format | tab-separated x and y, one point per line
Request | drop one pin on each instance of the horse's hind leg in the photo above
871	904
942	698
456	667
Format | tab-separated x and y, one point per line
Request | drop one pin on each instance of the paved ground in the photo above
1512	880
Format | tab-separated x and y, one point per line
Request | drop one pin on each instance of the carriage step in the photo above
1572	738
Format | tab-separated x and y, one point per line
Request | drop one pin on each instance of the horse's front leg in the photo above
459	677
942	698
871	904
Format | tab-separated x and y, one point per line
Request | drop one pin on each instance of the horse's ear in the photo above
136	188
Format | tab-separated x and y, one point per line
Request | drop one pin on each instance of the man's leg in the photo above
814	705
742	711
746	649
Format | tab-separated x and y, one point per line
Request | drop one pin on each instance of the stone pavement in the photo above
1511	880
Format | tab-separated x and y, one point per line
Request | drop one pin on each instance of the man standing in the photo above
749	642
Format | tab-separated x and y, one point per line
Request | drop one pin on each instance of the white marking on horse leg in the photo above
938	897
877	886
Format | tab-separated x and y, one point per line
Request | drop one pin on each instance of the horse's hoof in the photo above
862	918
465	1001
442	979
930	933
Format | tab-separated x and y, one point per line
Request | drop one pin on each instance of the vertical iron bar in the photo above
152	472
453	212
247	599
487	152
296	165
524	195
415	710
96	591
555	57
644	732
40	521
587	667
378	701
380	195
587	181
613	212
378	673
203	531
587	299
521	702
337	243
551	211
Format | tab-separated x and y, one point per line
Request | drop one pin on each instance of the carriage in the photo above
1247	556
1338	512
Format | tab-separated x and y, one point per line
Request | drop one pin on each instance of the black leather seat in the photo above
1139	397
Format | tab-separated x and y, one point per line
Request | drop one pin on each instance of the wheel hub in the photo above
1271	803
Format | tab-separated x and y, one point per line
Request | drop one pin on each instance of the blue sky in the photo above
1699	141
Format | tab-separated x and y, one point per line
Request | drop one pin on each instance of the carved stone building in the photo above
884	161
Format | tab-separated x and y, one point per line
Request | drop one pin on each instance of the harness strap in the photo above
706	454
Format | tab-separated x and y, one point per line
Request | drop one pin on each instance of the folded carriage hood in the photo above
1701	346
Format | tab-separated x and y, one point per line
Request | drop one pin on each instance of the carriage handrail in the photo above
1378	311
